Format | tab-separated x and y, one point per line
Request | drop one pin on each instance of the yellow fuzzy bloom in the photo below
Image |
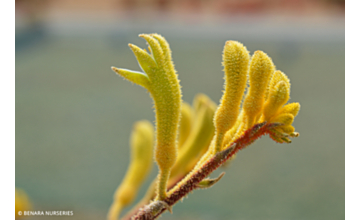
234	132
287	129
187	116
141	142
278	96
161	80
275	79
285	118
261	70
292	108
275	109
22	203
236	61
200	137
196	143
193	141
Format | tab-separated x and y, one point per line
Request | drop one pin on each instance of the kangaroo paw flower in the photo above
160	79
236	61
192	142
261	70
141	142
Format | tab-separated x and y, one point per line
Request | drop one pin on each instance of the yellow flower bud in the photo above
166	50
199	139
287	129
285	118
231	134
275	79
292	108
187	116
161	80
261	70
141	142
278	96
236	61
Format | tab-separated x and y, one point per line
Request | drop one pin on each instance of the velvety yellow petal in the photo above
261	70
292	108
145	60
278	96
275	79
156	49
134	76
288	129
186	121
285	118
141	143
231	134
236	61
164	88
164	46
198	140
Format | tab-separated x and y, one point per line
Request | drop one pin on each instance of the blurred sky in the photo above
74	115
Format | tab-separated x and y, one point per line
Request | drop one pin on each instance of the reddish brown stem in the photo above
249	136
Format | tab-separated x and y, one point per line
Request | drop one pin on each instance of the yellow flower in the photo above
160	79
200	136
186	121
236	61
275	111
208	136
268	92
141	143
261	70
279	94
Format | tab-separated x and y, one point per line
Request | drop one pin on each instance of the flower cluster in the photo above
193	141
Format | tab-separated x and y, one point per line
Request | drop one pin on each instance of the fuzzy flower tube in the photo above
193	141
160	79
141	143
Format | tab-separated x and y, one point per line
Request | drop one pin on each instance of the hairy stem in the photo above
152	211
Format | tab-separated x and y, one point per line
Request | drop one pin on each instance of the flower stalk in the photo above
193	141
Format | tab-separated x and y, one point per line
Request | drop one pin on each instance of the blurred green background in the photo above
74	116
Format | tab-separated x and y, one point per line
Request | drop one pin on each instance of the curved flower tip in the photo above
145	60
275	111
222	131
161	80
284	130
260	72
134	76
278	96
236	62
